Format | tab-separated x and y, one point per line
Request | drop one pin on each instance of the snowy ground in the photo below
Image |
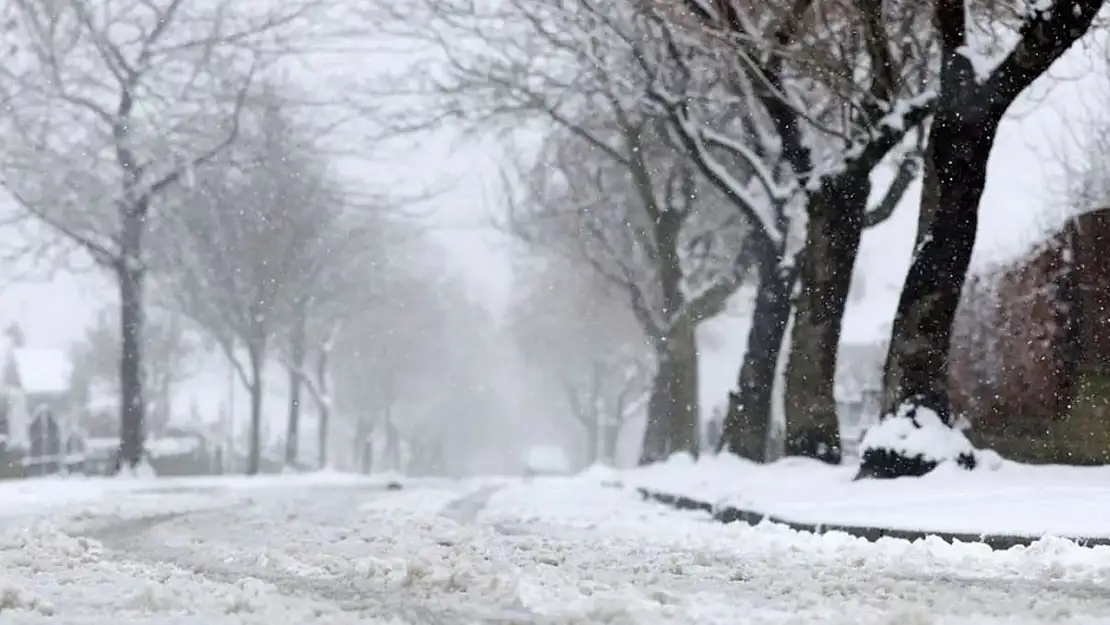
1005	498
550	551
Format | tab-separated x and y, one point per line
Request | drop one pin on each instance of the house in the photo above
37	412
1030	359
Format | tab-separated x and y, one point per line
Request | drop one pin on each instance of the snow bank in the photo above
1013	499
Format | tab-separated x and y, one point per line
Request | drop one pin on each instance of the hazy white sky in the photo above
1020	199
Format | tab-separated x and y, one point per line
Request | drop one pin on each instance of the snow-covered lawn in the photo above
1003	498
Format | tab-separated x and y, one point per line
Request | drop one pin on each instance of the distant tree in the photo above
573	327
14	333
348	269
388	352
170	350
245	236
639	217
107	105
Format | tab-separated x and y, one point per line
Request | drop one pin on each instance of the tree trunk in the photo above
967	114
672	421
254	461
748	420
367	456
593	439
323	405
834	230
359	449
916	373
610	440
296	371
392	442
129	273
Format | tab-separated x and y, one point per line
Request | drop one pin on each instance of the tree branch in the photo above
908	170
1044	37
175	175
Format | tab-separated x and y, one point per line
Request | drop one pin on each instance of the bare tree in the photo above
764	99
816	128
169	348
350	268
384	351
575	328
110	103
247	232
652	227
975	94
524	64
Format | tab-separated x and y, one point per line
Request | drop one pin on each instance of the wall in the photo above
1030	362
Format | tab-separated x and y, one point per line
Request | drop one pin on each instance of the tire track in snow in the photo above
132	540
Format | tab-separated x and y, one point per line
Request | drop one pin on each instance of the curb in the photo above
729	514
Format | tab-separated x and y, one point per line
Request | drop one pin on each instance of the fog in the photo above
381	241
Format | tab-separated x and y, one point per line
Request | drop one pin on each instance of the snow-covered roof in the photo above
43	370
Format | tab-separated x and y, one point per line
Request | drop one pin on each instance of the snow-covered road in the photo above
549	552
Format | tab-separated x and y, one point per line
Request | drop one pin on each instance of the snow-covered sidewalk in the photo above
1006	498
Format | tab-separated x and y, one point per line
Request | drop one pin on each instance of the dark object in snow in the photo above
888	464
912	442
393	486
728	514
817	443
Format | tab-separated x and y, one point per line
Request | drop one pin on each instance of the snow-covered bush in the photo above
912	442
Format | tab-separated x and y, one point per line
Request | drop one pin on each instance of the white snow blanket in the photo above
553	551
999	498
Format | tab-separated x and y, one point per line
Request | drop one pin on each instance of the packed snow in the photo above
1012	499
584	549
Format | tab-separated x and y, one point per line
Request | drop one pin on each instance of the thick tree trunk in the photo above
254	459
748	420
673	407
129	273
296	372
965	124
956	175
834	230
916	374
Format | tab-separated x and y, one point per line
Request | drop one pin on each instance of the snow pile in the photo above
48	576
912	442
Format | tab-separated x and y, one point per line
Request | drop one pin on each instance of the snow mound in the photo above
912	442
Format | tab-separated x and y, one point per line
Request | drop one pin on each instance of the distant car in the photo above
546	460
